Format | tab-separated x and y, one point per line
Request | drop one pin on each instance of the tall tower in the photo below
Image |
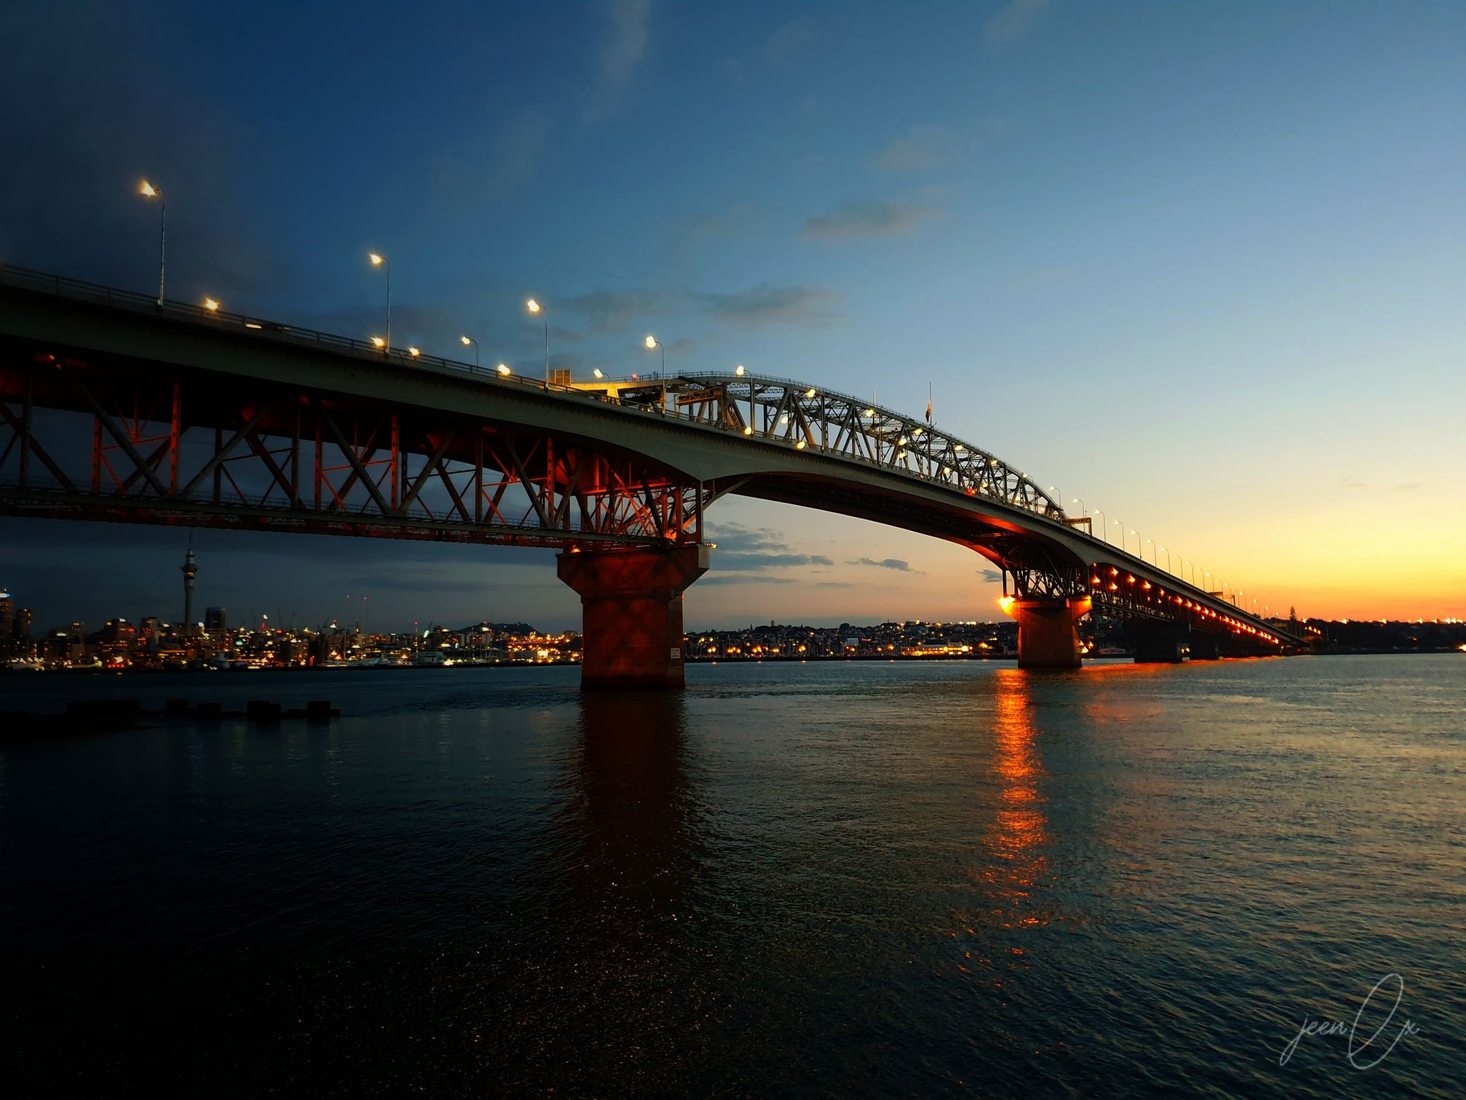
190	570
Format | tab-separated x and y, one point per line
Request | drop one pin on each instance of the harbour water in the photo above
825	879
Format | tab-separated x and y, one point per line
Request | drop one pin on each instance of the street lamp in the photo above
211	304
1121	525
378	260
1163	550
504	370
148	191
469	340
539	311
653	342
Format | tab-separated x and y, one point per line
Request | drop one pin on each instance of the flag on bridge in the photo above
928	403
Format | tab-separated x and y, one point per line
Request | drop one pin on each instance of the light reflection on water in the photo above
949	879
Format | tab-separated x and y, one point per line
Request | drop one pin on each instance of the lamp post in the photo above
378	260
1163	550
466	341
653	342
147	190
1121	524
538	310
1104	527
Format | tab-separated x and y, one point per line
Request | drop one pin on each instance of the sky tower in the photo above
190	570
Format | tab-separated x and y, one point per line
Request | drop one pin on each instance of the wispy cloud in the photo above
791	38
743	549
621	52
920	149
1009	23
615	310
774	305
897	564
992	576
868	219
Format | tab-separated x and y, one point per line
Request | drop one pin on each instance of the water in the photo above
823	879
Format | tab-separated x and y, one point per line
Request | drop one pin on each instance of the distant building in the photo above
216	620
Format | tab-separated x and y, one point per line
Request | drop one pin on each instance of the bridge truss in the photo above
173	446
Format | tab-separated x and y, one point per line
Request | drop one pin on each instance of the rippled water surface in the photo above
823	879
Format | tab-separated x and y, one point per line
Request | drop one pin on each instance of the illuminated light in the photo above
1094	580
809	392
970	491
377	341
148	189
800	445
1114	572
376	258
211	304
784	419
871	413
1006	605
253	324
739	370
503	369
1114	587
960	449
651	341
747	429
414	352
597	372
1145	585
915	433
532	306
901	442
465	340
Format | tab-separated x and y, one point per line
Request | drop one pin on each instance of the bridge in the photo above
116	407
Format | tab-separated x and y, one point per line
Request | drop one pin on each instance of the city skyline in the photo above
1200	269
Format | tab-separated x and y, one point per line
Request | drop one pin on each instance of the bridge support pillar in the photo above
1047	637
1158	643
1204	647
631	607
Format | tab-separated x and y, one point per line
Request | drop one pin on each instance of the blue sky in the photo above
1201	265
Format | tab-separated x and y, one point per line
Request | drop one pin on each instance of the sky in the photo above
1201	266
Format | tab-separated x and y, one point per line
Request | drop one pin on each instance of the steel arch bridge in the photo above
113	407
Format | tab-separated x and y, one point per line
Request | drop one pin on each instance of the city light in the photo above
211	304
503	369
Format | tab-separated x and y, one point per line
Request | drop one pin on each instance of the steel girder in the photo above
808	417
181	447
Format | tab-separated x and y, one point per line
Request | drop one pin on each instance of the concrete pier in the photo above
1047	637
631	601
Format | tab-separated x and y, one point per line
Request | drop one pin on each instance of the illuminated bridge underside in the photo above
111	408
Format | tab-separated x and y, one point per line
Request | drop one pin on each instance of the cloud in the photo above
1008	24
621	52
868	219
885	563
740	549
723	578
992	576
1405	487
920	149
789	40
774	305
615	310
